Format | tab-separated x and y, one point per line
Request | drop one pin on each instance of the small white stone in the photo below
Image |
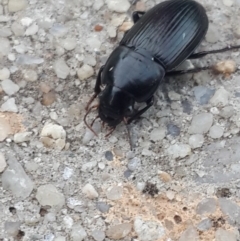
17	5
157	134
112	31
216	132
85	72
17	29
49	195
196	141
26	21
148	230
30	75
61	69
78	232
201	123
69	43
53	136
31	30
179	150
170	194
60	238
228	3
22	137
9	106
4	74
98	4
93	43
9	87
3	163
11	57
220	98
120	6
90	191
4	46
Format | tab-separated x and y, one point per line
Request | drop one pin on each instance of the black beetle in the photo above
159	41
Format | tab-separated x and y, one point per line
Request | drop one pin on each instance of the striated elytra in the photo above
159	41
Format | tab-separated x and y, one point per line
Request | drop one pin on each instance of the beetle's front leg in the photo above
135	15
97	88
140	112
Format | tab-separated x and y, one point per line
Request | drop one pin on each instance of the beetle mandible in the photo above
159	41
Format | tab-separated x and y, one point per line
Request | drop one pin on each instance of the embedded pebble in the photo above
22	137
90	191
225	235
9	106
31	30
115	193
69	43
78	233
61	69
119	231
205	224
216	132
17	5
179	150
125	26
30	75
133	164
149	230
98	235
102	207
201	123
109	155
231	209
173	130
112	31
227	112
9	87
48	98
157	134
3	163
165	177
12	228
17	29
208	205
4	46
174	96
53	136
15	179
189	234
228	3
4	74
25	59
220	97
85	72
203	94
49	195
119	6
196	141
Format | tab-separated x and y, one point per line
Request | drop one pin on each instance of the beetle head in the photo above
114	105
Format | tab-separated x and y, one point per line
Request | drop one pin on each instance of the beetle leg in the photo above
110	132
97	88
135	15
204	53
140	112
188	71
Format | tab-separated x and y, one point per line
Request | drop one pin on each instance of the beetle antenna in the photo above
110	132
94	120
85	119
90	101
